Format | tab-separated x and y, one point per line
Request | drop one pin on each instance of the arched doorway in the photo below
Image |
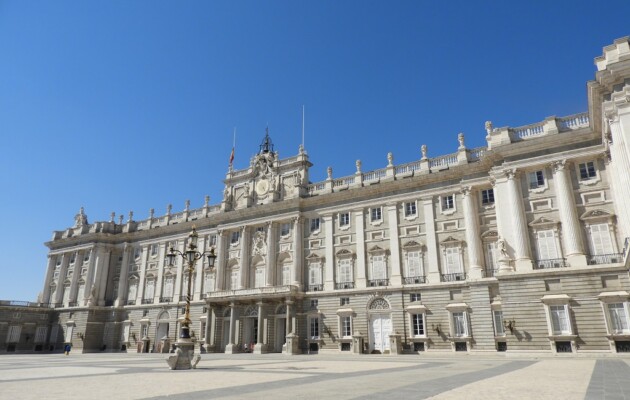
250	328
281	328
380	325
162	331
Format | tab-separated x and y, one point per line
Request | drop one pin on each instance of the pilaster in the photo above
221	259
329	279
246	245
298	251
359	220
50	268
270	275
124	276
473	240
520	236
394	245
432	247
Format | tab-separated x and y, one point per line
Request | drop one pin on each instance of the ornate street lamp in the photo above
190	256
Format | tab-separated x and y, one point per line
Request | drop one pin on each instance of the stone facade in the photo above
517	246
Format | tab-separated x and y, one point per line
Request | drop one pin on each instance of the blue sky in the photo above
130	105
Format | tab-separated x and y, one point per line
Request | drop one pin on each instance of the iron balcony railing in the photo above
459	276
599	259
165	299
415	279
73	304
147	301
315	288
182	297
344	285
131	302
551	263
378	282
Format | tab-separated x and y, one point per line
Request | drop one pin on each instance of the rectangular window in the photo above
69	333
618	318
459	324
234	280
346	326
260	277
149	289
212	240
345	271
209	283
587	171
499	330
126	332
417	321
487	197
285	229
452	259
414	264
601	239
492	255
546	245
560	320
314	224
286	274
536	179
236	236
344	301
414	297
13	336
379	269
448	202
410	209
314	327
344	219
40	334
314	303
144	331
260	229
315	274
376	214
154	249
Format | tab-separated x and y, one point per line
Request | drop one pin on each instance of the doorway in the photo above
380	329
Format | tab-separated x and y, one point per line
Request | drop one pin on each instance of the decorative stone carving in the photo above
379	304
390	159
259	245
423	149
80	219
358	164
460	139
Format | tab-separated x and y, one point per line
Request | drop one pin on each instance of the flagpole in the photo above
302	125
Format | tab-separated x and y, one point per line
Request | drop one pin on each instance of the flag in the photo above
232	156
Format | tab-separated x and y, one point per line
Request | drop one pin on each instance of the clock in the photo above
262	186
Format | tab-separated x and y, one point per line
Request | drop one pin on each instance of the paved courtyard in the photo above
274	376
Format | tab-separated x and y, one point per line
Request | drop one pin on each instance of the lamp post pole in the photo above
185	346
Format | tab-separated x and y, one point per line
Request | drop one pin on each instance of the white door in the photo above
381	329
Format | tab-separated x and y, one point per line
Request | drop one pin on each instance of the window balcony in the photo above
57	305
73	304
415	279
613	258
166	299
459	276
147	301
315	288
182	297
378	282
551	263
344	285
131	302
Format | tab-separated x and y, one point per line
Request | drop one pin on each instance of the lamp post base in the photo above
184	357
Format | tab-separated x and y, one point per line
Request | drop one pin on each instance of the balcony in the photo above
378	282
315	288
344	285
166	299
551	263
459	276
147	301
182	297
56	305
613	258
411	280
131	302
73	304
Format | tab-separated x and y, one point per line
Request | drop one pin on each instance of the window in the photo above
314	224
314	327
618	318
40	334
587	171
346	326
69	332
13	336
410	209
460	328
487	197
600	239
314	303
212	240
315	274
448	202
149	289
492	255
344	301
286	274
414	264
285	229
344	219
414	297
260	277
168	286
154	249
236	236
345	270
202	329
145	331
132	290
499	330
547	249
452	260
379	269
260	229
376	214
417	322
536	180
234	279
560	320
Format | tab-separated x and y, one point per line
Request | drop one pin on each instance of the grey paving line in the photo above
610	381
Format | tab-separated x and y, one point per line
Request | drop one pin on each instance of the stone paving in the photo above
274	376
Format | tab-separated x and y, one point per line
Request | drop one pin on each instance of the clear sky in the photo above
130	105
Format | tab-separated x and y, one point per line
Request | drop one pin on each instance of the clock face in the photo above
262	186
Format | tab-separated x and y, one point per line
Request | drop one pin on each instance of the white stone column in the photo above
62	276
471	218
209	330
199	269
431	241
221	260
100	274
620	174
76	273
246	245
89	276
124	277
259	347
520	235
298	252
50	269
288	318
159	286
572	238
272	242
230	348
179	290
329	280
359	229
394	245
211	326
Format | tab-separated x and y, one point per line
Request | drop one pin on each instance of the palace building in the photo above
518	246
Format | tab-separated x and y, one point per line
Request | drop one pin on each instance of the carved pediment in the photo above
314	257
450	241
596	214
376	249
543	221
490	235
344	253
412	244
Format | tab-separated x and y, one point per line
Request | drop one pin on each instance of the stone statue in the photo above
423	149
460	138
130	216
358	164
226	195
206	201
329	171
390	159
80	219
501	246
246	190
489	127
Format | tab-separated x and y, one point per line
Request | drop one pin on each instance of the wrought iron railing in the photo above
73	304
182	297
165	299
147	301
131	302
344	285
551	263
459	276
599	259
315	288
415	279
378	282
